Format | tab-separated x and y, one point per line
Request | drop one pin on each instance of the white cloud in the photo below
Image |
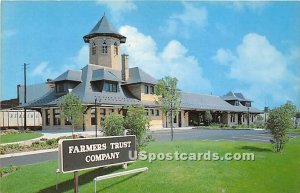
263	68
173	60
256	6
191	16
117	8
224	56
44	71
8	33
82	57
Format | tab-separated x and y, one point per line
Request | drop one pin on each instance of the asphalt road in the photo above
205	134
184	134
28	159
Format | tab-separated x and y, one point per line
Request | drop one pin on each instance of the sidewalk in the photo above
168	129
50	134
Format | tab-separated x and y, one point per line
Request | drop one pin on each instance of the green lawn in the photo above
13	137
270	172
294	130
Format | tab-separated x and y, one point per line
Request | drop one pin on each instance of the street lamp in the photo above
248	117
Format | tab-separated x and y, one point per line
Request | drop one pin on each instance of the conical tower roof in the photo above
104	28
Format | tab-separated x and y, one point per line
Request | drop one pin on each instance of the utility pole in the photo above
96	126
25	93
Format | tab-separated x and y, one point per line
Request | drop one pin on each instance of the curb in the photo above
168	129
21	142
28	153
235	129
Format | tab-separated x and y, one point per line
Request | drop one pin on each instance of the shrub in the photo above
260	125
2	150
113	125
279	122
207	117
10	148
37	144
223	125
10	131
51	142
137	123
7	170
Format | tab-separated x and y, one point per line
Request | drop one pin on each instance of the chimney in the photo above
125	69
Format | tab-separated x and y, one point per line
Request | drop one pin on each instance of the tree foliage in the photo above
113	125
290	108
137	123
279	122
168	97
207	117
72	109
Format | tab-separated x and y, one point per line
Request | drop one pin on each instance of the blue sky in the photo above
211	47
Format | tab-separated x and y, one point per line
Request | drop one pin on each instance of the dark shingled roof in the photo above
89	73
85	92
72	75
205	102
105	74
104	28
230	96
210	102
34	92
87	95
136	75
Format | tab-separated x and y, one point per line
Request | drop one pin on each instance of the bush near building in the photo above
137	123
114	125
207	118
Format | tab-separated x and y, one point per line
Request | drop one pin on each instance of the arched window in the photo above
104	48
116	48
93	48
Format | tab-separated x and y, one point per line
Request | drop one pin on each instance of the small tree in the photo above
137	123
72	109
207	117
279	122
290	108
113	125
168	98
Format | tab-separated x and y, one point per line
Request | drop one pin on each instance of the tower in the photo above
104	43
